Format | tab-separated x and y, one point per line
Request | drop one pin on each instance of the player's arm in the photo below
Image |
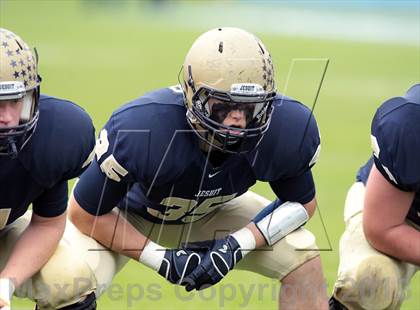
296	214
34	247
92	210
393	181
41	237
110	229
296	203
270	225
278	220
295	190
114	232
260	240
384	214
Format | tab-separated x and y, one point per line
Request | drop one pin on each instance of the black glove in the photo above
178	263
220	257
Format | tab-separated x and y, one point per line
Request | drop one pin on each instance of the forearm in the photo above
279	219
402	242
384	215
259	238
269	226
33	249
111	230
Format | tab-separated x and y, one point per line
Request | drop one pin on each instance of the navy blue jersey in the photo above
396	145
58	151
148	160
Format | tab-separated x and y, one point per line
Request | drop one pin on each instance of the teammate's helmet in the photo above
233	67
18	79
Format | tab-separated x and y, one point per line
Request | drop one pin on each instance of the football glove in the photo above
220	258
178	263
172	264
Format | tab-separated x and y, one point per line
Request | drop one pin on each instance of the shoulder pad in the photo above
413	94
395	139
291	145
170	96
139	136
62	143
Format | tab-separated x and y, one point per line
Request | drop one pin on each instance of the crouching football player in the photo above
44	142
380	248
178	163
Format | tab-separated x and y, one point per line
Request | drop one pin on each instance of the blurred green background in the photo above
101	54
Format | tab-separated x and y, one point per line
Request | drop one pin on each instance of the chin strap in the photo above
8	147
13	152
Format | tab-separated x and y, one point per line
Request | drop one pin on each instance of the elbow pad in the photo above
284	219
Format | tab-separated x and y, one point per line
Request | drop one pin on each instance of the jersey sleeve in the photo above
132	148
80	149
60	149
295	158
299	189
107	179
62	144
96	193
53	202
396	143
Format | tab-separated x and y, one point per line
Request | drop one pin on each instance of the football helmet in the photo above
225	70
19	80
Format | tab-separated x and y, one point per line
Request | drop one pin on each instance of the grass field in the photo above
104	57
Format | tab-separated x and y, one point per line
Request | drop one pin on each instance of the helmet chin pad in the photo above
210	109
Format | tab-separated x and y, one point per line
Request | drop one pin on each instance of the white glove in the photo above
6	292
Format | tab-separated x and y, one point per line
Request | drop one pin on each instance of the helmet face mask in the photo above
19	82
226	82
231	138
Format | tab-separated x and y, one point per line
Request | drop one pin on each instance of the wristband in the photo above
246	240
6	291
152	255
